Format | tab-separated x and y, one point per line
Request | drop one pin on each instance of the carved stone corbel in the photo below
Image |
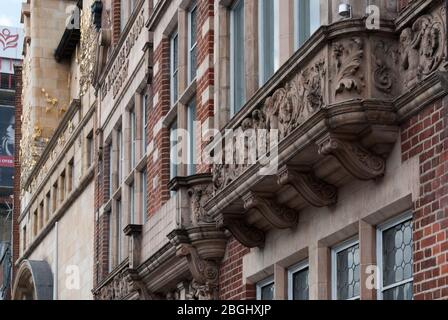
246	234
205	272
316	192
357	160
278	216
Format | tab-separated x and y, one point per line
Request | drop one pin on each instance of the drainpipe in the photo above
56	262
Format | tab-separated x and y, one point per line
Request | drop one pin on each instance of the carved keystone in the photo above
278	216
357	160
248	235
316	192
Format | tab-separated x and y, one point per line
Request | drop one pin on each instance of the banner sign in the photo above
7	123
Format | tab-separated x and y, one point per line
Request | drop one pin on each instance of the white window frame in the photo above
132	196
291	272
144	186
334	252
191	46
133	120
379	251
110	239
191	141
232	59
145	123
264	283
173	71
261	67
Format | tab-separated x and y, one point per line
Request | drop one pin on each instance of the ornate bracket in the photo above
316	192
205	272
357	160
278	216
246	234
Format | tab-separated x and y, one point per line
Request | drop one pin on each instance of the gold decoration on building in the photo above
88	50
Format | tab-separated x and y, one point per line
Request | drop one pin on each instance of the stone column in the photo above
281	282
251	49
320	273
367	238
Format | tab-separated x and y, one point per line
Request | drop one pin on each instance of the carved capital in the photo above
357	160
278	216
316	192
246	234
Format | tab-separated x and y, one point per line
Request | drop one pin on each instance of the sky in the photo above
10	13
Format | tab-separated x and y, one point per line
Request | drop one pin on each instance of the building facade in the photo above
10	56
247	149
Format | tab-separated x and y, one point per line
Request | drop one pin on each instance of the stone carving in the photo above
277	215
353	157
88	51
117	289
349	59
199	196
422	47
246	234
285	110
385	57
205	273
316	192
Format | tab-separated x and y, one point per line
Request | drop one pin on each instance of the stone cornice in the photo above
157	14
411	11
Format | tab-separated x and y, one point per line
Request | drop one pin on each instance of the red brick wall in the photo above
205	82
116	21
426	136
17	170
231	285
159	166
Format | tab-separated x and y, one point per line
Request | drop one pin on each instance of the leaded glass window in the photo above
298	287
265	289
346	271
396	260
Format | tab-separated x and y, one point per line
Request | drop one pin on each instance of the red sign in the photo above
8	40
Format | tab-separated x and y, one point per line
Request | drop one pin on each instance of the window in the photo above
132	202
133	137
120	156
62	189
191	118
24	238
110	239
268	39
55	196
90	151
306	20
123	18
144	124
35	223
298	288
119	232
345	271
47	206
71	175
237	62
144	196
41	215
174	68
110	170
265	289
394	256
192	43
173	150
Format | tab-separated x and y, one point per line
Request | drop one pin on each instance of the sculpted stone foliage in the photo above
422	47
285	110
349	59
117	289
385	57
89	45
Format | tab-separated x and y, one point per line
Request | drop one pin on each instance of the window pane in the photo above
173	151
300	285
307	20
267	292
397	258
144	197
267	26
174	68
403	292
347	273
238	63
192	43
